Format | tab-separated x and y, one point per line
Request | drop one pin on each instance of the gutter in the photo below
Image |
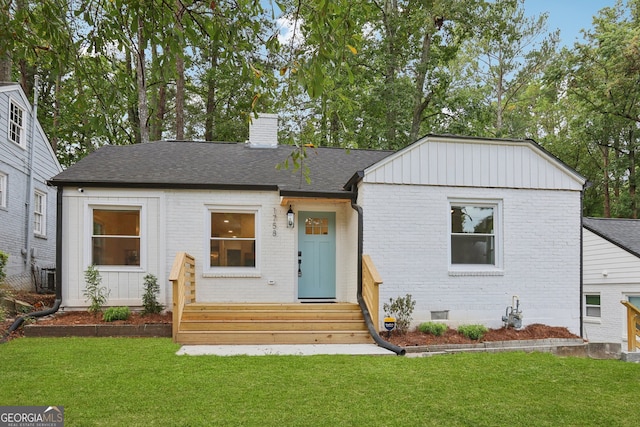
58	301
363	306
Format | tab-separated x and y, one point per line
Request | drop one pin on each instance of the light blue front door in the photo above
316	255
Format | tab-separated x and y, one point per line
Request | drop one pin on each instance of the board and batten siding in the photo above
125	286
406	206
614	274
474	163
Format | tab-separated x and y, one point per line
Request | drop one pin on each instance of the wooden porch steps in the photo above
322	323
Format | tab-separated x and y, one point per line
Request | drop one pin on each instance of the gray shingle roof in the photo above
624	233
177	164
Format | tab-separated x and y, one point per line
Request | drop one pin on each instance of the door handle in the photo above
299	263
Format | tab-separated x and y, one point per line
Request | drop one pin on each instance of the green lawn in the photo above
141	382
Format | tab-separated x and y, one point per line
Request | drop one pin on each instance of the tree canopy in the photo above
345	73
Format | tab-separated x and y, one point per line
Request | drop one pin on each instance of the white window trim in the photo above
43	214
478	269
23	129
88	232
592	319
3	190
207	270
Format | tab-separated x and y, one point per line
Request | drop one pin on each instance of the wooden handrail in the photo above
370	288
183	279
633	326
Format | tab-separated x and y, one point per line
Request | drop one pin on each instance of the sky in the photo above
570	16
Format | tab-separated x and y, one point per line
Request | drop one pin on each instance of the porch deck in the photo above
260	323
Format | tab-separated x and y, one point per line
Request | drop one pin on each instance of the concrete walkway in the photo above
283	350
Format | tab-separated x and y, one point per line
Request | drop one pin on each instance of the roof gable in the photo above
475	162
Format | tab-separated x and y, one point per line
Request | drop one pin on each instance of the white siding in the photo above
176	221
474	163
406	233
125	286
614	274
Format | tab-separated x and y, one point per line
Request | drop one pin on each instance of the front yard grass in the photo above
141	382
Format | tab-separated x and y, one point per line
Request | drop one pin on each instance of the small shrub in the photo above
402	309
4	293
116	313
149	299
433	328
97	295
4	258
474	332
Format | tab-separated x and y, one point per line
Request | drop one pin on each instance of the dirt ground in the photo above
451	336
414	338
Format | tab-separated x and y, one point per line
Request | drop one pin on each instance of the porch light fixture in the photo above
290	217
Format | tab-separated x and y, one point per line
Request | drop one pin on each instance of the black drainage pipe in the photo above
20	320
363	306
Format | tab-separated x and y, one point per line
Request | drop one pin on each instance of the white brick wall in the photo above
406	234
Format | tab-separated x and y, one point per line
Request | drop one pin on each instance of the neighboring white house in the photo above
462	224
611	253
27	203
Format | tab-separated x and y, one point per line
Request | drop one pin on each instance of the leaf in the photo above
352	49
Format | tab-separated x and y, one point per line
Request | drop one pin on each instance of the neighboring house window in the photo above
592	305
16	124
474	239
232	239
115	238
40	213
3	190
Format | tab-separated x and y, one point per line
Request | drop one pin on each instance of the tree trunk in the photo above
390	11
6	65
143	106
420	101
180	82
210	121
605	187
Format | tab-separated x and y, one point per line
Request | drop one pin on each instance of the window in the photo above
3	190
115	238
233	239
635	300
16	124
473	234
592	305
40	213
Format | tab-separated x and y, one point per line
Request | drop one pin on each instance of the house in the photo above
611	253
27	203
463	224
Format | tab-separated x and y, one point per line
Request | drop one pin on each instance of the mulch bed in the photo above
531	332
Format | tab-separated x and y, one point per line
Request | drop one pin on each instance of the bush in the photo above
4	258
149	299
474	332
432	328
96	294
402	309
116	313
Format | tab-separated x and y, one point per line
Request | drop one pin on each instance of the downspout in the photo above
584	187
28	217
363	306
58	301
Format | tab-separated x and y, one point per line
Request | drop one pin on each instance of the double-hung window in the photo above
40	213
232	240
3	190
592	306
474	239
16	124
115	239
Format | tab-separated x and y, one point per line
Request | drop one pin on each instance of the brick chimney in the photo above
263	131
